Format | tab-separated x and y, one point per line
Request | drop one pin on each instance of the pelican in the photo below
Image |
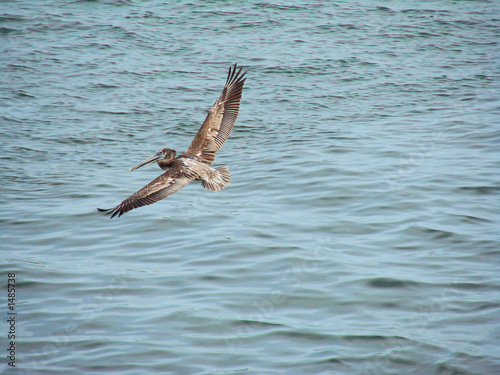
195	163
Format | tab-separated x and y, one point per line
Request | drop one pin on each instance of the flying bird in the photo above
195	163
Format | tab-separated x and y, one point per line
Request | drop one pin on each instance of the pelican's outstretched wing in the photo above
220	120
161	187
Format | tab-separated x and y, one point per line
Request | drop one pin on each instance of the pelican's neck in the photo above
165	163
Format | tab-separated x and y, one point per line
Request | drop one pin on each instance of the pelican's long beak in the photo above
152	159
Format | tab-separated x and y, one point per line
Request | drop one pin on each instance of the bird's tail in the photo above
218	181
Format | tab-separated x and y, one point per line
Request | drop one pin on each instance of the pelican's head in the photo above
163	158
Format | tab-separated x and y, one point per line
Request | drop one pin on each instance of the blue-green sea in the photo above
360	233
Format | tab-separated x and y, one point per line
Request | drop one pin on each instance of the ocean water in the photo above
359	234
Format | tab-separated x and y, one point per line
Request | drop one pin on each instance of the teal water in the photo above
360	231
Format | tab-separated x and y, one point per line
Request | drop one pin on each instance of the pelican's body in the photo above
195	163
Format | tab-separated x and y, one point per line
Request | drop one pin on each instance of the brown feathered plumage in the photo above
196	162
220	120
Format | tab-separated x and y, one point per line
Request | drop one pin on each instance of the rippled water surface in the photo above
359	234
